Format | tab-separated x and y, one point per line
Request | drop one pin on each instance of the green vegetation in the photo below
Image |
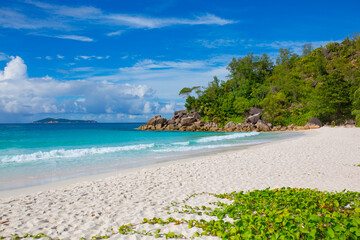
322	82
286	213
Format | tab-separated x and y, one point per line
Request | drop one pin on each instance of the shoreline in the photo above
325	159
17	192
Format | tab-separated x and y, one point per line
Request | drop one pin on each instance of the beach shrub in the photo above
357	117
298	119
237	119
286	213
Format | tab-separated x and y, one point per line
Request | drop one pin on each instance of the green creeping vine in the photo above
286	213
28	235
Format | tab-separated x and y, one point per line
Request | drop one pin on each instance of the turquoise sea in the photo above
34	154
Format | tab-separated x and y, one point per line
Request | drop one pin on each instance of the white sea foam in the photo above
226	137
72	153
192	148
181	143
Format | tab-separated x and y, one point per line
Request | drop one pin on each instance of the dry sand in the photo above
325	159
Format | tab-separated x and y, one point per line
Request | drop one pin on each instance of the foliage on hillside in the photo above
323	82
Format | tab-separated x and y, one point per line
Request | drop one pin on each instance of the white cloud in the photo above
22	95
116	33
296	46
138	21
146	88
58	56
76	12
133	21
12	19
167	78
15	69
218	43
147	107
91	57
168	108
82	69
74	37
4	57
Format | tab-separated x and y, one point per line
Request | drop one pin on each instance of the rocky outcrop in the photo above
191	121
262	126
255	110
314	123
255	115
156	123
231	126
253	119
182	121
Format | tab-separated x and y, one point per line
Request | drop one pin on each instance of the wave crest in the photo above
192	148
226	137
72	153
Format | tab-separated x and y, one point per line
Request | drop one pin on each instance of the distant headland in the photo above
62	120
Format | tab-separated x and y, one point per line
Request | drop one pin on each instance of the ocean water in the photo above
35	154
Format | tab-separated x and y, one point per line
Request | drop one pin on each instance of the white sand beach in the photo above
325	159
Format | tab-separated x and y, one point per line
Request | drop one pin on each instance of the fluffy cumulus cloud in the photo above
167	78
21	95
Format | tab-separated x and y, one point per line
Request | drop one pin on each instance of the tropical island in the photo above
225	176
61	121
322	85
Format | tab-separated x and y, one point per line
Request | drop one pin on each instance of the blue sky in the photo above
124	61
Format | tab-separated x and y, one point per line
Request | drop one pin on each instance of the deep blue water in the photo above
33	154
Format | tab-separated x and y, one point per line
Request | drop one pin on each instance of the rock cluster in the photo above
191	121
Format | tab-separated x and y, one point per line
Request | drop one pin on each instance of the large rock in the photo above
246	127
195	115
261	126
314	123
170	127
291	127
198	124
142	127
255	110
180	114
156	120
152	120
238	127
277	128
187	121
253	119
191	128
230	125
171	121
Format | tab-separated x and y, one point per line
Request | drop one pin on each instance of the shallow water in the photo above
34	154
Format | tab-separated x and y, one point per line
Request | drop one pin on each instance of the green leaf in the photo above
330	232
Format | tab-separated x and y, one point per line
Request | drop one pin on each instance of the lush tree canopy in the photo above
322	82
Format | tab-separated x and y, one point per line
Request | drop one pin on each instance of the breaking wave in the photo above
192	148
71	153
226	137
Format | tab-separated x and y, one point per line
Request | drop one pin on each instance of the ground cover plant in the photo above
286	213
